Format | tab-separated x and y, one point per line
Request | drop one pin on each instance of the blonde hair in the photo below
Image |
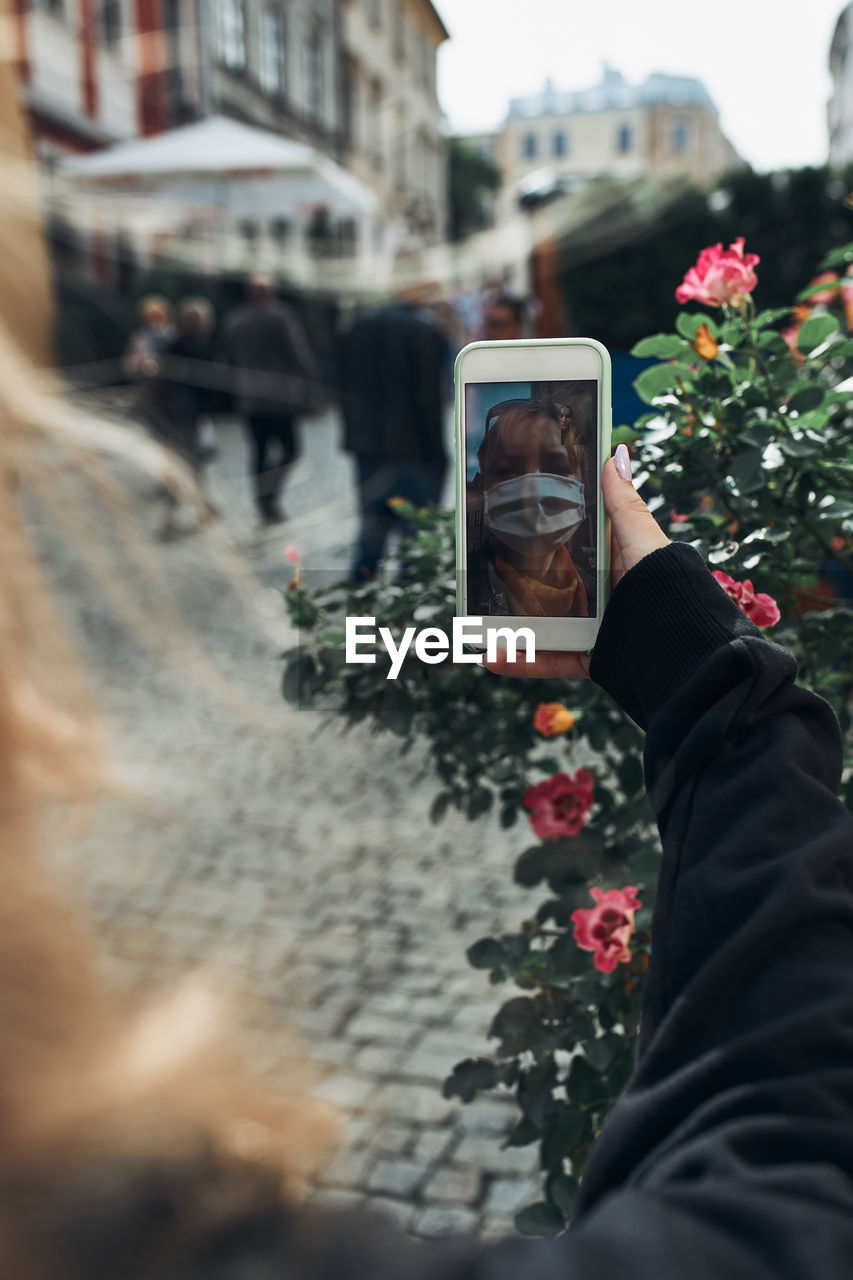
154	304
81	1080
196	315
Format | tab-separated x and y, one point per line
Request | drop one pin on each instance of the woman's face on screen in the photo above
523	446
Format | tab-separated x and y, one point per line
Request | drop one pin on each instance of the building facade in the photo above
392	122
78	73
840	109
666	126
277	64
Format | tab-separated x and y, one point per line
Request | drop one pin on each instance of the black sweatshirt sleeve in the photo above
734	1140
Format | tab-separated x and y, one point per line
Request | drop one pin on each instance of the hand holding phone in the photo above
634	534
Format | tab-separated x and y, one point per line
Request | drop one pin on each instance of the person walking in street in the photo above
275	380
392	376
142	359
187	397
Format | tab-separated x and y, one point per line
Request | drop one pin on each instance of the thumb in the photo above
635	529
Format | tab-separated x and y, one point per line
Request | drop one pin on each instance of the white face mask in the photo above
534	514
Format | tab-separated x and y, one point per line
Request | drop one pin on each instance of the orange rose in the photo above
705	343
552	718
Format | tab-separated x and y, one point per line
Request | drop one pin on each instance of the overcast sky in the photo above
764	62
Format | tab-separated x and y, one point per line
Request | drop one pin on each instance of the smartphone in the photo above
533	423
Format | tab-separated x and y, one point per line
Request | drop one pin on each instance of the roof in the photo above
436	18
613	92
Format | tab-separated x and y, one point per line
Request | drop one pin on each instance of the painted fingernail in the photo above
623	461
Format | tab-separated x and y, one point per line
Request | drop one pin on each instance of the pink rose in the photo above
606	928
721	277
758	606
559	805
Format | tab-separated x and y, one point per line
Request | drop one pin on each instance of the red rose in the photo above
559	805
758	606
606	928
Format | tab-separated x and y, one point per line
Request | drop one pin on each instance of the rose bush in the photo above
747	453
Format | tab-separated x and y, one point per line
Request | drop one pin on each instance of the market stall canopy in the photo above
221	150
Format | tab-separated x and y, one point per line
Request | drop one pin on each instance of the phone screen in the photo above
532	492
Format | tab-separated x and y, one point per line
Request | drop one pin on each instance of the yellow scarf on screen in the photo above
556	593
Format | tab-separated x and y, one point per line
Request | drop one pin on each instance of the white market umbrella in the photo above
234	163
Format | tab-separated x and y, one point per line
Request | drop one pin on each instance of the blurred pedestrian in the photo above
152	337
504	317
141	361
393	364
187	396
275	380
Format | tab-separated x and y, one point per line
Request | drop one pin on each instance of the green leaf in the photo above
298	682
771	316
807	398
602	1051
540	1219
562	1191
521	1134
438	808
564	1132
688	322
747	472
468	1078
732	332
630	772
487	953
661	345
515	1020
660	380
772	342
803	446
479	803
815	332
583	1083
624	435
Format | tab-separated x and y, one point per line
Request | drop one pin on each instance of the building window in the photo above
374	123
680	136
560	143
528	146
273	51
349	103
400	149
374	13
315	88
231	33
624	139
111	21
399	30
280	229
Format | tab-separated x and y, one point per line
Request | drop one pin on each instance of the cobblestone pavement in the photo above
300	862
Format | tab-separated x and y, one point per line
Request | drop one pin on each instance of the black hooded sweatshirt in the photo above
730	1154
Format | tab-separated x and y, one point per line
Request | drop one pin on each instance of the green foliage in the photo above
619	281
748	456
472	178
